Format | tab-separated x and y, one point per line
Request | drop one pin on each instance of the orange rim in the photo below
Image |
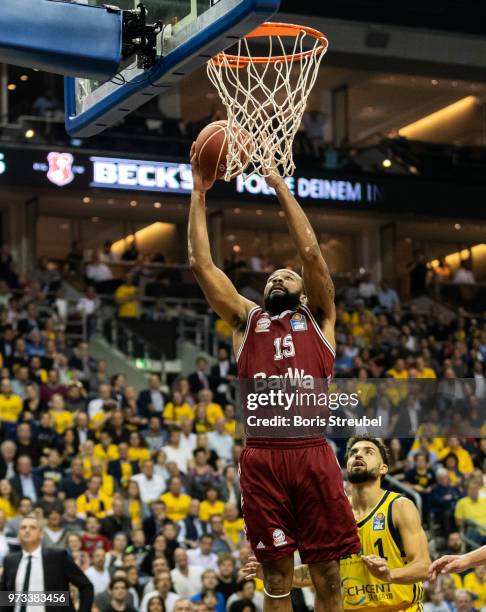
274	29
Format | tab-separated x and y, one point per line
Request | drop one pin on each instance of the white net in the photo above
265	97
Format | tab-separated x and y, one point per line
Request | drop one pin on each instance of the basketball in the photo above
212	148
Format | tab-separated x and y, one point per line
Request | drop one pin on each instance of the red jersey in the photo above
290	344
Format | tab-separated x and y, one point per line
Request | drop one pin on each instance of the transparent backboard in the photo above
193	31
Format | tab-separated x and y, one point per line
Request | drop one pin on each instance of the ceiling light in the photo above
133	203
386	163
11	87
157	204
110	201
231	237
24	77
457	226
86	200
29	133
434	82
236	211
236	248
281	213
454	83
413	169
95	219
259	212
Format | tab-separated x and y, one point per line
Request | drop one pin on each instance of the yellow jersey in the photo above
378	536
478	587
177	507
10	408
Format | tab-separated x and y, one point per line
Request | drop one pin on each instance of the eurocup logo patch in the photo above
60	170
279	538
298	322
379	522
262	325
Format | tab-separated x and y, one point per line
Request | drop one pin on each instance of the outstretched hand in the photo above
446	564
200	182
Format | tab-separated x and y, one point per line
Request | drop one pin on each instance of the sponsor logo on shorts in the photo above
260	545
298	322
379	522
279	537
262	325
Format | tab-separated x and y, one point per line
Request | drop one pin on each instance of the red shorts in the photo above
293	498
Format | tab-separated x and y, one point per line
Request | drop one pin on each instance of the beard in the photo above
276	302
363	475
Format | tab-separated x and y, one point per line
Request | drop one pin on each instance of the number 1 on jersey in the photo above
284	347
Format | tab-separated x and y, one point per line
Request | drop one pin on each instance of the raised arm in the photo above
217	287
318	284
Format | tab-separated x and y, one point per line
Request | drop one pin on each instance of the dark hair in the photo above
241	604
448	456
113	581
376	441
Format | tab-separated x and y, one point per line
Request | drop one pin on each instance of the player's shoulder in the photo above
403	510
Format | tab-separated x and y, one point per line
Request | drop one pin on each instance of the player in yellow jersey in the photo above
386	576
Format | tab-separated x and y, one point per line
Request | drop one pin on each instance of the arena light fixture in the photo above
386	163
29	134
438	119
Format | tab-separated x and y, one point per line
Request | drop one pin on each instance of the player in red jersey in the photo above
292	488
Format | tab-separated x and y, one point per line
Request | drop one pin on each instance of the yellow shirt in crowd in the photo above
10	408
207	509
7	508
214	412
99	506
473	584
177	507
105	455
62	420
234	529
177	413
464	460
127	310
138	454
135	512
468	509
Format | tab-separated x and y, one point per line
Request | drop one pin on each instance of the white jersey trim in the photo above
318	329
247	330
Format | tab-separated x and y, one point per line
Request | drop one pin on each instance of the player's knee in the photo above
276	584
327	579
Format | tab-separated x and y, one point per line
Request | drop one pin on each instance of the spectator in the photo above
175	452
163	589
475	583
119	593
211	504
213	410
100	274
220	441
185	578
202	475
177	410
97	573
387	297
53	386
176	502
203	555
421	478
54	534
8	451
199	379
192	528
49	500
464	459
26	444
209	583
150	484
93	500
443	499
463	601
246	590
92	538
222	374
127	298
436	601
470	511
367	290
122	469
10	405
464	274
131	252
227	583
221	542
70	520
87	307
234	525
152	400
25	482
418	274
154	435
118	521
106	255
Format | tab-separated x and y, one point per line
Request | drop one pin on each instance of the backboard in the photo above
193	32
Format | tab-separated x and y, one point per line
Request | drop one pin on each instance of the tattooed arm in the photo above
318	285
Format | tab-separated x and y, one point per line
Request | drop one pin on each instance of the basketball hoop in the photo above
266	95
